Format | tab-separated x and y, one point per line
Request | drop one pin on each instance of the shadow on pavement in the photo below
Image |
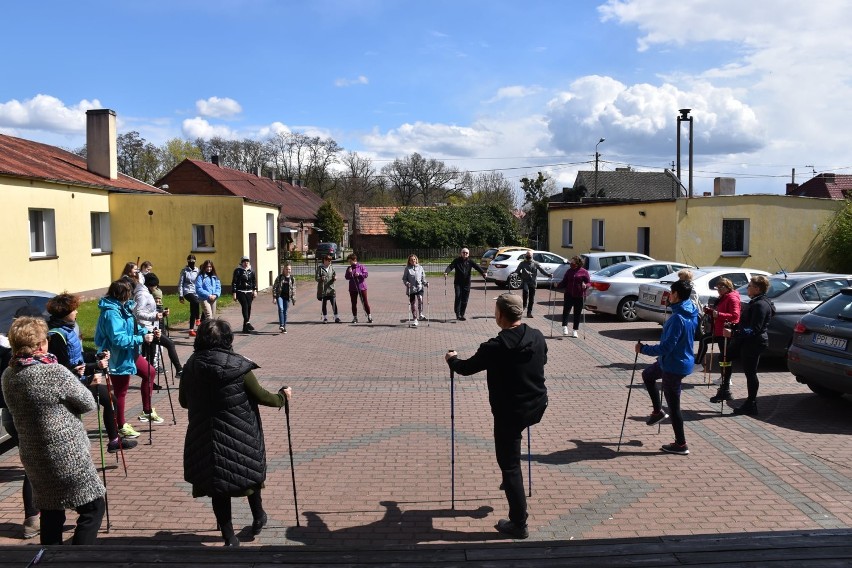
411	526
593	451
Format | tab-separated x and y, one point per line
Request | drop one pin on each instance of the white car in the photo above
502	268
614	289
594	261
654	297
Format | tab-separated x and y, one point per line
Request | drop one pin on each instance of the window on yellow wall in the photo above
101	241
42	232
567	232
735	237
598	234
270	231
202	238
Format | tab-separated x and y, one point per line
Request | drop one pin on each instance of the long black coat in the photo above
224	453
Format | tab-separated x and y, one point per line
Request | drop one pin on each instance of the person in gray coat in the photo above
45	399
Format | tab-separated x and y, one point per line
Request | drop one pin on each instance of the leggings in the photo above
101	394
193	309
354	297
222	510
569	303
120	384
147	373
30	509
416	299
149	350
671	390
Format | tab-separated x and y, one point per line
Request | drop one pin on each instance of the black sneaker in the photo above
462	318
529	314
354	320
656	417
337	320
721	394
675	448
157	386
284	329
124	443
258	524
748	408
249	327
510	529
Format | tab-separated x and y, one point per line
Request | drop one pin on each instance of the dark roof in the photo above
197	177
625	185
33	160
826	185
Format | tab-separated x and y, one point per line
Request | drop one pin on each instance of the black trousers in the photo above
325	301
27	488
88	523
528	294
507	447
222	510
671	390
577	305
462	296
750	358
149	351
245	299
194	309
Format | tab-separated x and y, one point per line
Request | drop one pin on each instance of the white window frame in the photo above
42	225
203	237
742	250
568	233
598	234
101	236
270	231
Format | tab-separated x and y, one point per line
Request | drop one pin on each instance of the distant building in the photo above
623	184
827	185
369	230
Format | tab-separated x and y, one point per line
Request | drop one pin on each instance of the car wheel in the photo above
514	281
822	391
627	309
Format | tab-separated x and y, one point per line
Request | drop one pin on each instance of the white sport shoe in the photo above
414	323
699	368
565	330
574	334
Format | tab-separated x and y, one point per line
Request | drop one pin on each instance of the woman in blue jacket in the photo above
674	361
116	332
208	288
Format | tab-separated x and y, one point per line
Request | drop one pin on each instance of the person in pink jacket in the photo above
726	311
575	282
357	276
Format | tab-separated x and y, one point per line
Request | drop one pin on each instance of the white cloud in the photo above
359	80
514	92
47	113
198	127
218	107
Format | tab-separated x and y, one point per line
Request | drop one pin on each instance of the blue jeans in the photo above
283	305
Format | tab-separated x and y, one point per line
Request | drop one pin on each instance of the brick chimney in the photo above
101	145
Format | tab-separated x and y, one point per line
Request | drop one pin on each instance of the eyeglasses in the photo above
465	253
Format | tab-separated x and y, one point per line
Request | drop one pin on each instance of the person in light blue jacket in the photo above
674	361
208	288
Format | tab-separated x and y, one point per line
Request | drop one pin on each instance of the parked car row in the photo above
501	269
615	289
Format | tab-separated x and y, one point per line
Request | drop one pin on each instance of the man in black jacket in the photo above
514	361
463	267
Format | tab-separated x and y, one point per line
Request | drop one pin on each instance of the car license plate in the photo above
650	298
829	341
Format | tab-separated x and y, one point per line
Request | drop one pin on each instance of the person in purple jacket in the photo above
575	282
357	276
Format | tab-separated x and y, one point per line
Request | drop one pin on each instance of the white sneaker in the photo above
414	323
565	330
422	317
574	334
699	368
718	381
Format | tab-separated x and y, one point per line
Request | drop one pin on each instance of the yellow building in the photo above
767	232
71	223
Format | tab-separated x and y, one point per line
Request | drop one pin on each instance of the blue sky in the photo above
482	85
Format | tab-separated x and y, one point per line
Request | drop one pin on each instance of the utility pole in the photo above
597	156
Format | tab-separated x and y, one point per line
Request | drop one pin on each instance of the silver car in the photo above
795	294
820	355
614	289
653	301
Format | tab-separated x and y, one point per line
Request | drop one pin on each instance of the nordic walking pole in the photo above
452	438
115	419
428	307
166	378
708	368
101	442
630	390
529	461
292	467
485	297
550	309
725	365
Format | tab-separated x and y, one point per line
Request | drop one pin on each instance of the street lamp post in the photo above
597	156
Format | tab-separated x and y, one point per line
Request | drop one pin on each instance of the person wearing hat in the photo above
514	362
528	270
244	288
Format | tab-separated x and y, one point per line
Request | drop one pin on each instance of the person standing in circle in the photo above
283	293
463	267
244	288
357	276
415	283
528	270
575	282
208	287
186	290
325	277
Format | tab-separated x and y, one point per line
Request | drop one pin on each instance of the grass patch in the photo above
88	313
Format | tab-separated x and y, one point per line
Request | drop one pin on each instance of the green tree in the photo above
175	151
837	235
536	194
331	222
451	226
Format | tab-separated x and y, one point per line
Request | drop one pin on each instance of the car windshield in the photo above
502	256
839	306
612	270
489	253
777	286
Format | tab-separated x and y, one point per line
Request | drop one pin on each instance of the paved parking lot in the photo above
371	437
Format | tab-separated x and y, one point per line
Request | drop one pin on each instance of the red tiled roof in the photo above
33	160
830	186
197	177
370	221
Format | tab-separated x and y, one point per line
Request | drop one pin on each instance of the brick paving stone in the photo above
371	440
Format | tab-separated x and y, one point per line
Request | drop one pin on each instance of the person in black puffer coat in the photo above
224	454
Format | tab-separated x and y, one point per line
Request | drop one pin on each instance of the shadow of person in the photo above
410	526
591	451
